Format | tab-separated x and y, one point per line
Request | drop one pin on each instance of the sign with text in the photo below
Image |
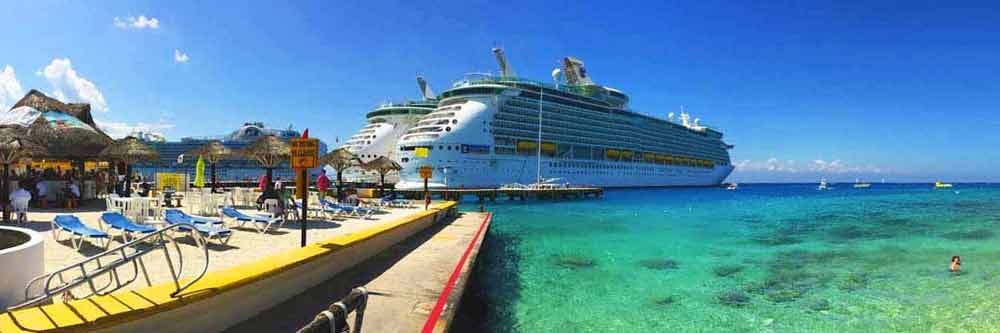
426	172
421	152
305	153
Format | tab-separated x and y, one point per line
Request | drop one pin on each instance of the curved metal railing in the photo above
55	283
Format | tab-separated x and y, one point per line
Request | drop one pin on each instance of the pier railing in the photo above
334	318
127	256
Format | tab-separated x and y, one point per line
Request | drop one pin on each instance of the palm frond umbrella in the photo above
129	151
383	165
340	159
14	146
213	152
269	151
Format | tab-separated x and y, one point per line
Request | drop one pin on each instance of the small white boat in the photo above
859	184
732	186
823	185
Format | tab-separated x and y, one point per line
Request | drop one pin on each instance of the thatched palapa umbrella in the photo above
14	146
213	152
129	151
383	165
269	151
340	159
71	133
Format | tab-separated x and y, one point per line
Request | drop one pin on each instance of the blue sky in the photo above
906	91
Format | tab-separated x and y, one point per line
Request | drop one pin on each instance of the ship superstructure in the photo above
382	130
490	130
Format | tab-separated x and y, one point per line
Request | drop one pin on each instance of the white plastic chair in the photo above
21	208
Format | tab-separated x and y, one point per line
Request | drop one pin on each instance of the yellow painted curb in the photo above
126	306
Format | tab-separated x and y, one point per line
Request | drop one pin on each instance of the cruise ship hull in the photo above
492	173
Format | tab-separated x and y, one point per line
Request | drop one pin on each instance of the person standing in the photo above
262	183
322	184
43	193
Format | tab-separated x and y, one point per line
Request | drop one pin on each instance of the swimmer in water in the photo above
956	264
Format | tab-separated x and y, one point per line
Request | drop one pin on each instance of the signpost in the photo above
426	172
305	156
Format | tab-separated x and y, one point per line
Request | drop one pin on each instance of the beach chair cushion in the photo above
239	216
208	230
119	221
72	224
192	218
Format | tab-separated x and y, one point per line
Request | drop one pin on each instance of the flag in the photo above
199	173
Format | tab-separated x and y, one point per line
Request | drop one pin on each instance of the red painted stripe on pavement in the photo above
439	307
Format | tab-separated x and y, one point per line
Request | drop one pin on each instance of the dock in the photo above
494	194
415	285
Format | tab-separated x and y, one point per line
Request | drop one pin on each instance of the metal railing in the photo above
56	283
334	318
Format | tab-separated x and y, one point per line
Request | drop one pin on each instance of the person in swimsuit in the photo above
956	264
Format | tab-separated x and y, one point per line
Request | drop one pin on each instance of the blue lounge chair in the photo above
125	227
194	218
220	233
392	201
349	210
261	223
72	224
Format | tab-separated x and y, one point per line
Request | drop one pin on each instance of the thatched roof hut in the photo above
268	151
71	132
213	152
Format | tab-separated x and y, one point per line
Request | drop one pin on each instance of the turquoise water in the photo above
766	258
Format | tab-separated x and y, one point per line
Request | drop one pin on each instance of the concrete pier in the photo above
415	285
492	194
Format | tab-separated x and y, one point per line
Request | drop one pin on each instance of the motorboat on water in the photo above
859	184
823	185
732	186
939	184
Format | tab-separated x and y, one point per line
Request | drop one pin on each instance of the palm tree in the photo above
340	159
213	152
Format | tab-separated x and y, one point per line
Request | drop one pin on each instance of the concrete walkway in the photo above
406	282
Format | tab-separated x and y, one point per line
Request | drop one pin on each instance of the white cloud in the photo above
119	130
69	86
10	88
137	23
180	57
774	165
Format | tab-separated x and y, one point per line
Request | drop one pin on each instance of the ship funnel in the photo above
505	70
575	73
424	88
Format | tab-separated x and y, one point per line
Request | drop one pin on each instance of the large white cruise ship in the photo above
487	131
382	130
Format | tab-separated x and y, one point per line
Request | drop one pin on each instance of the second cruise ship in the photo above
488	131
380	134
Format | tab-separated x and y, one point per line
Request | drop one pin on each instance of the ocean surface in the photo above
765	258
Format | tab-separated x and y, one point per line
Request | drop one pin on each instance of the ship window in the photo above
449	147
447	129
454	121
440	147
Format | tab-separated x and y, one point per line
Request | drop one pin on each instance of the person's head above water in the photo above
956	259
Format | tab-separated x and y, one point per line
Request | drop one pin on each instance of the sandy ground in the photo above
245	245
